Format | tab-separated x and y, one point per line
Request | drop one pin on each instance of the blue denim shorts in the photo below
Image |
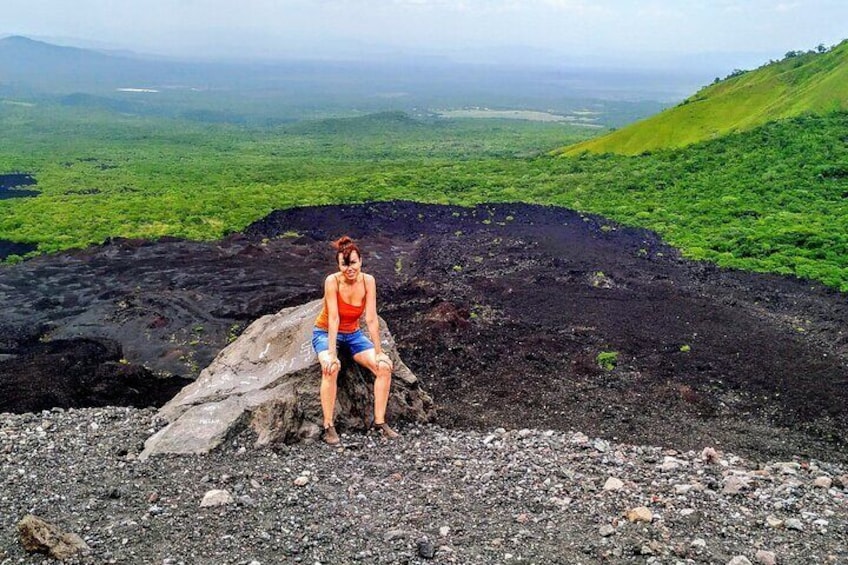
356	342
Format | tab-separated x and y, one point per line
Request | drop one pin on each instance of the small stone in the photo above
764	557
36	535
698	543
795	524
301	481
613	484
821	522
773	521
426	550
640	514
216	497
787	467
579	438
392	535
444	531
606	530
671	463
735	483
682	489
709	455
823	482
739	560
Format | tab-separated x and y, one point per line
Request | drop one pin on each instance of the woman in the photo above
347	294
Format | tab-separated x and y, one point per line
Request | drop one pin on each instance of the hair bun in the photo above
343	242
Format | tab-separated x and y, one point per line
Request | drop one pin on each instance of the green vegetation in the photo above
774	198
815	81
607	360
102	174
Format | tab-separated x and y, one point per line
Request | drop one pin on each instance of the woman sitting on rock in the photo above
347	294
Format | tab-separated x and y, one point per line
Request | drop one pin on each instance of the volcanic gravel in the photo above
432	496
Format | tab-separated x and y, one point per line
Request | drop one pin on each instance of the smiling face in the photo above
351	266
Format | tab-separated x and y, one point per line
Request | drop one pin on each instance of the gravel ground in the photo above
433	496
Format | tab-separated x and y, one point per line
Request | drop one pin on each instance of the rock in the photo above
795	524
640	514
301	481
613	484
739	560
444	531
579	438
710	455
38	536
786	467
682	489
823	482
269	378
395	534
76	373
773	521
672	463
733	484
698	543
601	445
426	549
216	497
764	557
606	530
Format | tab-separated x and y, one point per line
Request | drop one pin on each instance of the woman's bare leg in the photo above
382	382
329	387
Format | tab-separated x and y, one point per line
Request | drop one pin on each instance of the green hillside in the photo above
811	82
774	198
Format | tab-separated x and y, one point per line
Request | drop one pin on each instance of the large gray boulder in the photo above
269	379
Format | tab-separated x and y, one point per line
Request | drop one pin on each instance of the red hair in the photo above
344	246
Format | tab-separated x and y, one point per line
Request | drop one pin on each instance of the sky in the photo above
589	32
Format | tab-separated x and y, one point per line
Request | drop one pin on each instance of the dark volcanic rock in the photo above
501	310
10	184
76	373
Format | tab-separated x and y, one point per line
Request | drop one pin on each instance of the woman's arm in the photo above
371	319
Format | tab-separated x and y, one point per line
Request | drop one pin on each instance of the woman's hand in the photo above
383	359
329	365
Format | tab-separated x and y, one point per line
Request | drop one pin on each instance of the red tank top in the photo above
349	314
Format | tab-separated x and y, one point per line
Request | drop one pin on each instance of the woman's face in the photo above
350	271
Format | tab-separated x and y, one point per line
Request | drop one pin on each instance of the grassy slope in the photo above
815	83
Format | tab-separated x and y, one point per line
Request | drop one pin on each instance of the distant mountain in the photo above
811	82
28	64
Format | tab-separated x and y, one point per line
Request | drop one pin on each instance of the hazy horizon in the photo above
658	34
